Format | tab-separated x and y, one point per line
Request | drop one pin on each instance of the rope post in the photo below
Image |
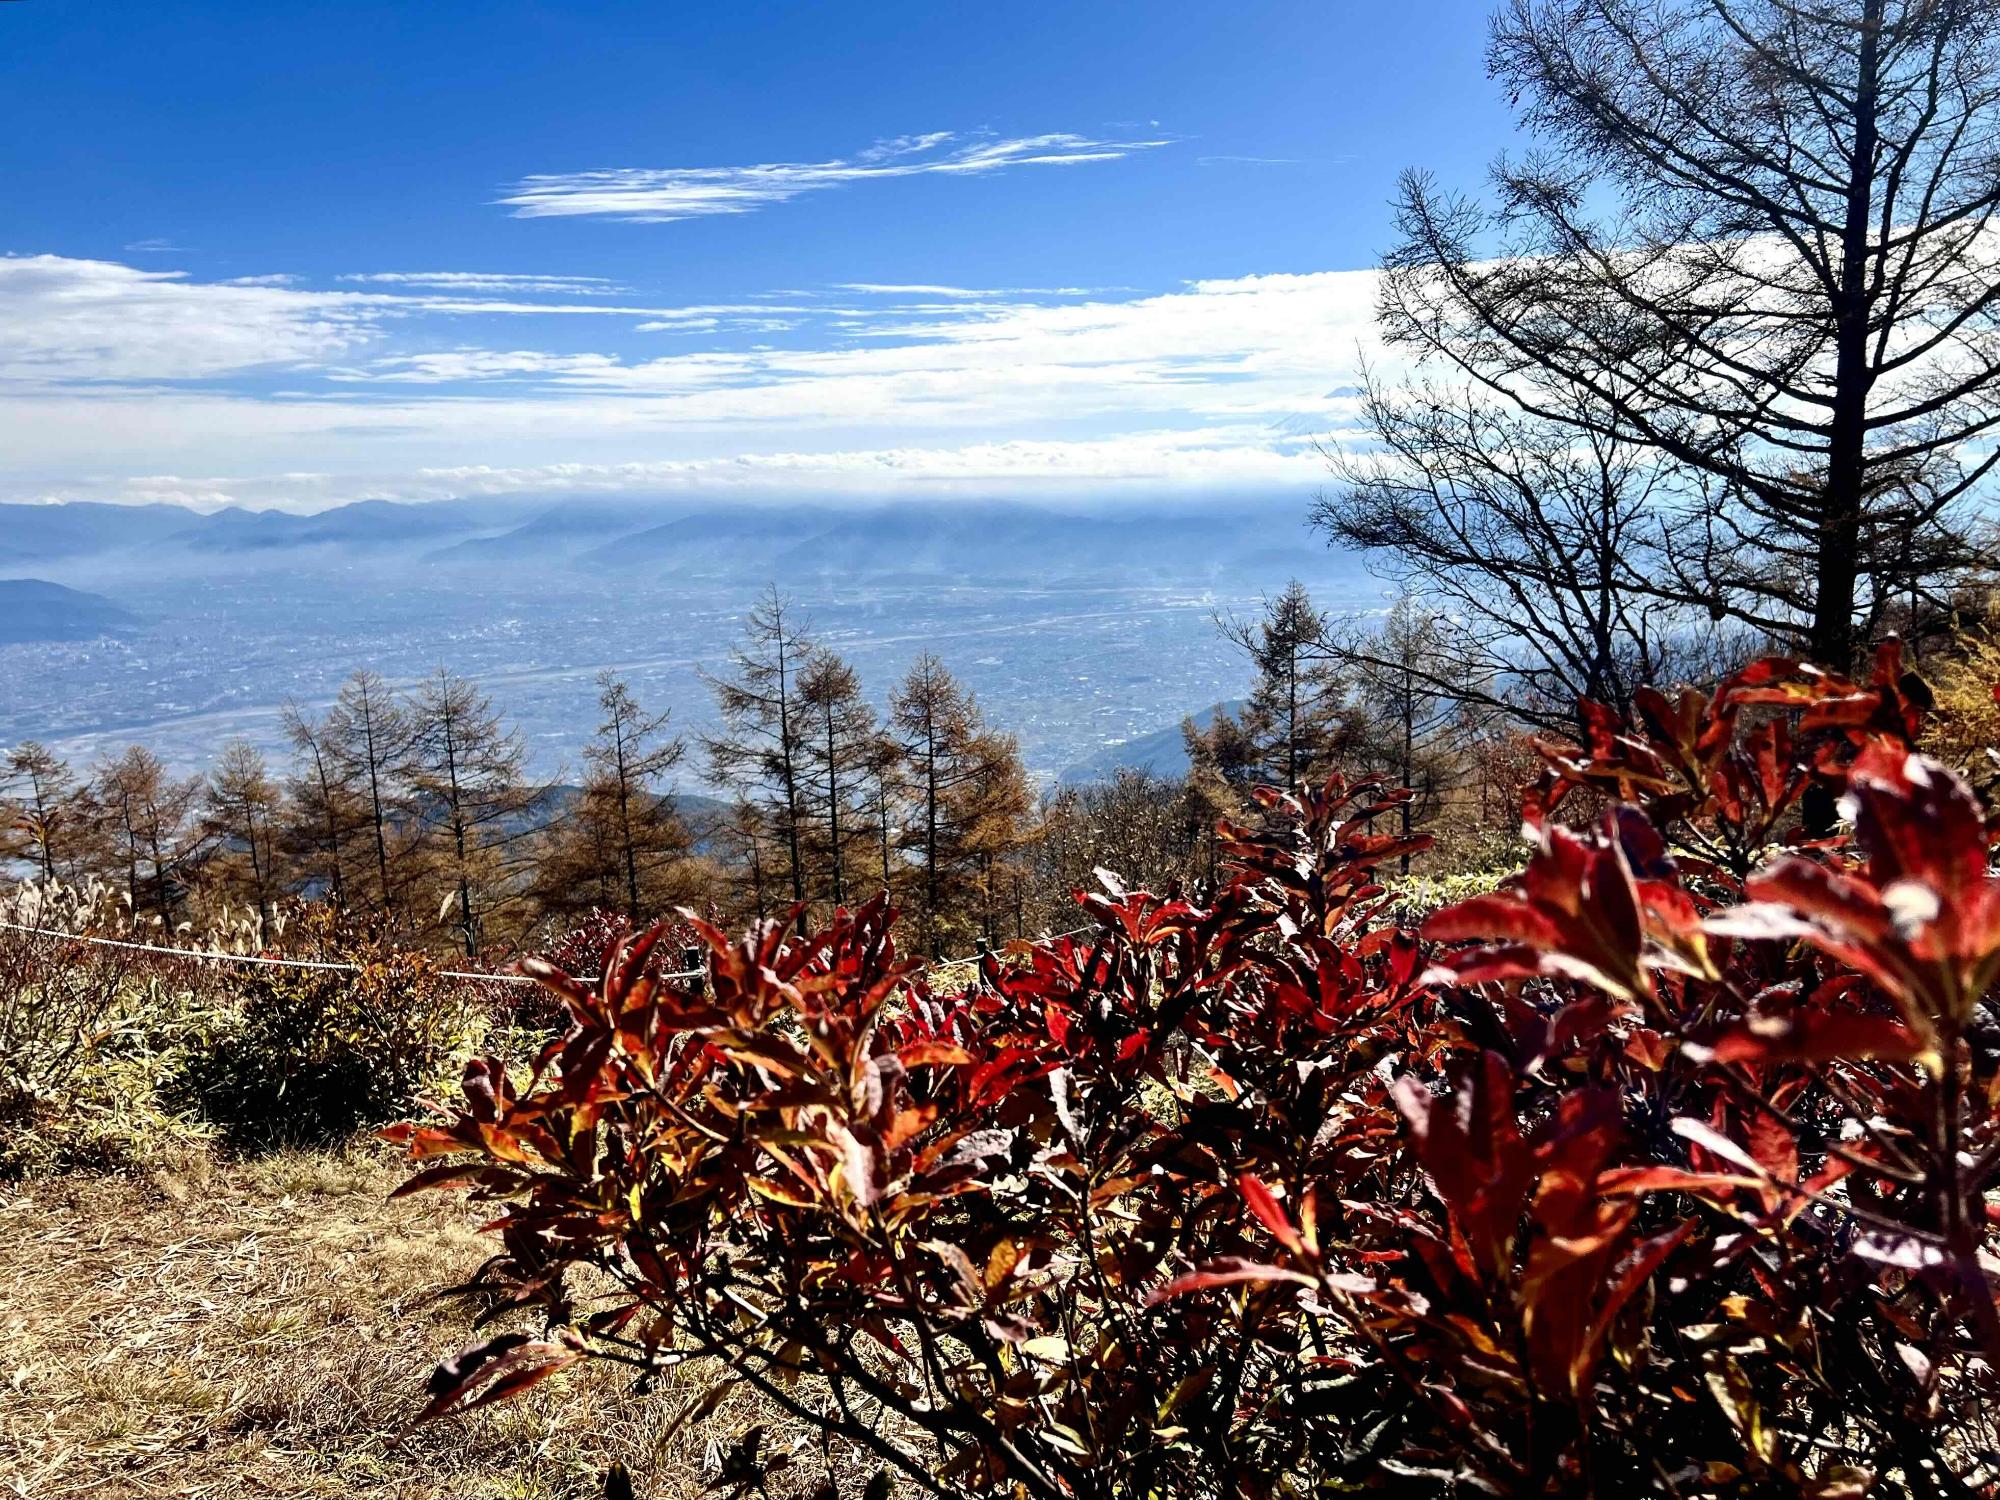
692	962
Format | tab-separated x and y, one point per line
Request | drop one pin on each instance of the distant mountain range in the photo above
367	524
560	533
82	529
939	542
40	533
33	610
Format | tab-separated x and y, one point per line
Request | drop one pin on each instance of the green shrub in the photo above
1412	898
114	1116
305	1056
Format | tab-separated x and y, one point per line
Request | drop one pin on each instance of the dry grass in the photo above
265	1329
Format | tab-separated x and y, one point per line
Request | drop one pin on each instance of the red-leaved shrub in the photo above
1662	1170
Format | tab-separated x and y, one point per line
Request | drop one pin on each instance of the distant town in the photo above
259	610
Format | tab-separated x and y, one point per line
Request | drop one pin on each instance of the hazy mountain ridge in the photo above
712	541
83	528
364	524
910	542
1163	752
557	534
32	609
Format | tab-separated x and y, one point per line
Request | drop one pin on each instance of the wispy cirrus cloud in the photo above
932	289
94	321
491	281
454	365
735	323
662	195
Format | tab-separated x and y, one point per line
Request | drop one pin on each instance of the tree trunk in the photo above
1409	755
931	842
375	812
458	846
788	750
332	826
1837	566
257	874
625	833
833	814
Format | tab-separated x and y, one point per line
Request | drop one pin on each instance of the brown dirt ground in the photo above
265	1329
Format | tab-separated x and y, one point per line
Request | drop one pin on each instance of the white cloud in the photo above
1220	382
735	324
1261	345
661	195
452	365
99	320
925	289
1155	462
66	320
474	306
1236	457
492	281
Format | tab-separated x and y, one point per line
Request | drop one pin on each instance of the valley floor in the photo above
265	1329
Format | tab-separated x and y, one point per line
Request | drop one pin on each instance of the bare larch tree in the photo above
466	771
757	752
1534	545
633	751
1756	237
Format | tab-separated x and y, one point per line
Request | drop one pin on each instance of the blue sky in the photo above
299	253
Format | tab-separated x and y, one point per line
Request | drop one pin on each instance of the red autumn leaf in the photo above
1270	1213
934	1054
1470	1146
1226	1271
1634	1181
1575	909
1491	918
1818	1036
1642	1263
1922	919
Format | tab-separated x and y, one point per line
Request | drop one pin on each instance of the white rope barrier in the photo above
131	947
212	956
973	958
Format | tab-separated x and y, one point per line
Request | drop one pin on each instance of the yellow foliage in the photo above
1967	720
